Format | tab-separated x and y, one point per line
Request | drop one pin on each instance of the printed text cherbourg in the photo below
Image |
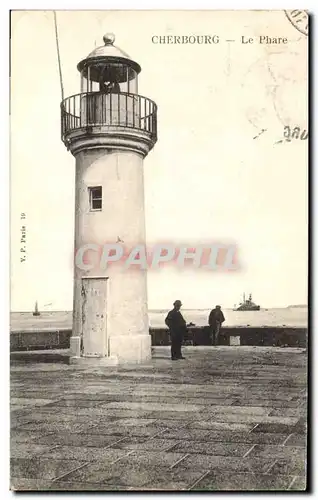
175	39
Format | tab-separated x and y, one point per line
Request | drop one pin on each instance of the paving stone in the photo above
94	415
220	399
229	436
291	465
22	436
172	400
29	402
275	396
31	410
42	468
130	430
86	440
174	479
15	413
55	426
238	464
273	428
296	440
99	397
16	422
224	417
102	413
132	475
274	451
155	458
267	403
18	407
75	403
170	424
263	438
135	422
91	391
180	415
190	434
28	450
87	454
301	426
23	484
57	418
222	426
154	406
194	401
242	410
135	443
34	396
65	486
286	412
299	484
224	481
220	449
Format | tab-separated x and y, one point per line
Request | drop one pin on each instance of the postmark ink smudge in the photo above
299	19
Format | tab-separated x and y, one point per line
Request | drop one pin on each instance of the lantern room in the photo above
108	101
109	70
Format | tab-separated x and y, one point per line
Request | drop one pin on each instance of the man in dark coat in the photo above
216	318
177	326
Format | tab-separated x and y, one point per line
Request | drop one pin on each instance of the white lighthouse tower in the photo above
110	129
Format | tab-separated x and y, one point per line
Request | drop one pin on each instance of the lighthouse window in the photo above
95	198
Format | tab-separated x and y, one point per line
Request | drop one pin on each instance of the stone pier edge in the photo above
54	338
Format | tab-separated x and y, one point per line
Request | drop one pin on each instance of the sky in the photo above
220	171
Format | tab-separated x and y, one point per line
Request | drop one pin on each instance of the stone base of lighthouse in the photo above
121	349
136	349
110	319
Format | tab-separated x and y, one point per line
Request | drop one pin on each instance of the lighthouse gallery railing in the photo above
100	109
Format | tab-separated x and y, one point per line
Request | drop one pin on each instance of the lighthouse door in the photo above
94	316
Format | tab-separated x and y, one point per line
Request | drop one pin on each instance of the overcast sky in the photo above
209	177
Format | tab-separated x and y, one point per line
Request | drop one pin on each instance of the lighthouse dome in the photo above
108	49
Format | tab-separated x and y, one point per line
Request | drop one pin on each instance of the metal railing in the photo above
81	111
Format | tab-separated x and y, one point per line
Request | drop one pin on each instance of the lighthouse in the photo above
109	128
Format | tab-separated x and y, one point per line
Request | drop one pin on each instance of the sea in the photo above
288	316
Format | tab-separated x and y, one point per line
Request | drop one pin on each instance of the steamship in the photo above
247	304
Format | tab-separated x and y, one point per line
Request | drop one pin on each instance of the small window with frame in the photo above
95	198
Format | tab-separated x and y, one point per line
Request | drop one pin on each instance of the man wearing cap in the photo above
216	318
177	326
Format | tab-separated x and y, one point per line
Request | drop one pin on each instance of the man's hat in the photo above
177	303
219	307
